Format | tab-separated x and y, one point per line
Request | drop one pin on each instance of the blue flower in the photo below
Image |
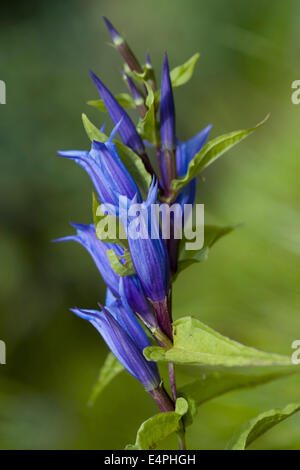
106	170
148	252
167	110
184	154
128	288
125	338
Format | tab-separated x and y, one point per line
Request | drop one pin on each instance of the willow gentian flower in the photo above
106	170
149	255
86	236
167	129
125	338
148	251
128	288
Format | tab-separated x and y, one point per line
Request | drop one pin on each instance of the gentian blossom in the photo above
139	294
125	338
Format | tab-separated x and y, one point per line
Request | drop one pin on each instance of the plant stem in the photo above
172	380
181	439
181	432
162	399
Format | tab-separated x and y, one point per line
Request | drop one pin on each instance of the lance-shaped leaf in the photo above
210	152
159	427
197	344
214	384
147	126
183	73
254	428
110	369
124	99
130	159
92	131
212	234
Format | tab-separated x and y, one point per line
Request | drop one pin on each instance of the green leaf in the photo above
110	369
210	152
183	73
131	160
147	126
213	384
159	427
122	269
92	132
124	99
254	428
212	234
197	344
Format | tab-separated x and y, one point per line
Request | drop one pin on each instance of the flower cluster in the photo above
137	270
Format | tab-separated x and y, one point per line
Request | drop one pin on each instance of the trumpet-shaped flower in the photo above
126	339
148	251
106	170
86	236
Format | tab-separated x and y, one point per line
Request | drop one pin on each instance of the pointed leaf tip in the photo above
257	426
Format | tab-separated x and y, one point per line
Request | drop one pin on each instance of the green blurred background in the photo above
248	289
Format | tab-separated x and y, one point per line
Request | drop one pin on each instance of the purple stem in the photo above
162	399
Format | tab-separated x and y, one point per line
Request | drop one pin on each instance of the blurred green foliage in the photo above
249	289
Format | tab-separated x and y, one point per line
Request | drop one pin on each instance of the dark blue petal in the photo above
167	109
106	170
184	154
116	37
127	129
187	150
126	350
149	255
132	294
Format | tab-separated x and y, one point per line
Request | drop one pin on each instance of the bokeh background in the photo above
249	288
